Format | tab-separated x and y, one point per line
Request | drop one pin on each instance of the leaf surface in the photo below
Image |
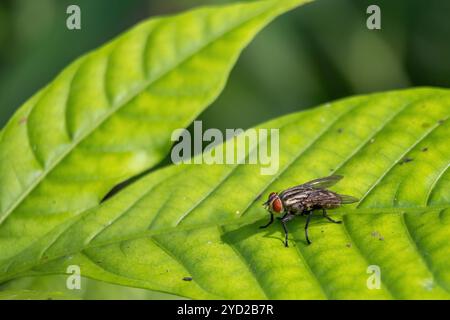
201	221
110	114
34	295
55	287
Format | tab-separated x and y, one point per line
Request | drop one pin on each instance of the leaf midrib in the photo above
114	109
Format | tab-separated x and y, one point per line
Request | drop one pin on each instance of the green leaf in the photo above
55	287
111	113
201	221
34	295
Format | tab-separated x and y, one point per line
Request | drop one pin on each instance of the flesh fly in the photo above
303	199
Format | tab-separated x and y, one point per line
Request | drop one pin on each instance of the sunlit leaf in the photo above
201	221
110	114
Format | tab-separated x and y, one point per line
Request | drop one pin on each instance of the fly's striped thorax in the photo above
296	199
291	197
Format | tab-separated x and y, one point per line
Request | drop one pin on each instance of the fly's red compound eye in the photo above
277	206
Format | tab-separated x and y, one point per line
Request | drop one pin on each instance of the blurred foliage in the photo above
319	53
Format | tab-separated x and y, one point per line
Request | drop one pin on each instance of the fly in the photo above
303	199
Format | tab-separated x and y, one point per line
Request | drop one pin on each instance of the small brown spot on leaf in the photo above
405	160
23	121
187	279
376	234
424	149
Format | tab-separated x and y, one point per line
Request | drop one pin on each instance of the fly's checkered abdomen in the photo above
324	199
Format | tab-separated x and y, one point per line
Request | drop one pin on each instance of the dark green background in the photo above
314	54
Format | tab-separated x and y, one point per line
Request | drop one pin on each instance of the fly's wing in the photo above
347	199
323	183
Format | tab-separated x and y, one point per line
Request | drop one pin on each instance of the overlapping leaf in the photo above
202	221
111	113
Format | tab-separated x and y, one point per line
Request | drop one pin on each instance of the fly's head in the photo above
274	204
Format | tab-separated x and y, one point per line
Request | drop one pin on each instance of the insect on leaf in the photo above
201	221
111	113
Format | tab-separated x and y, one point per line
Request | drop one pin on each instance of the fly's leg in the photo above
308	218
328	217
287	217
268	224
284	216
